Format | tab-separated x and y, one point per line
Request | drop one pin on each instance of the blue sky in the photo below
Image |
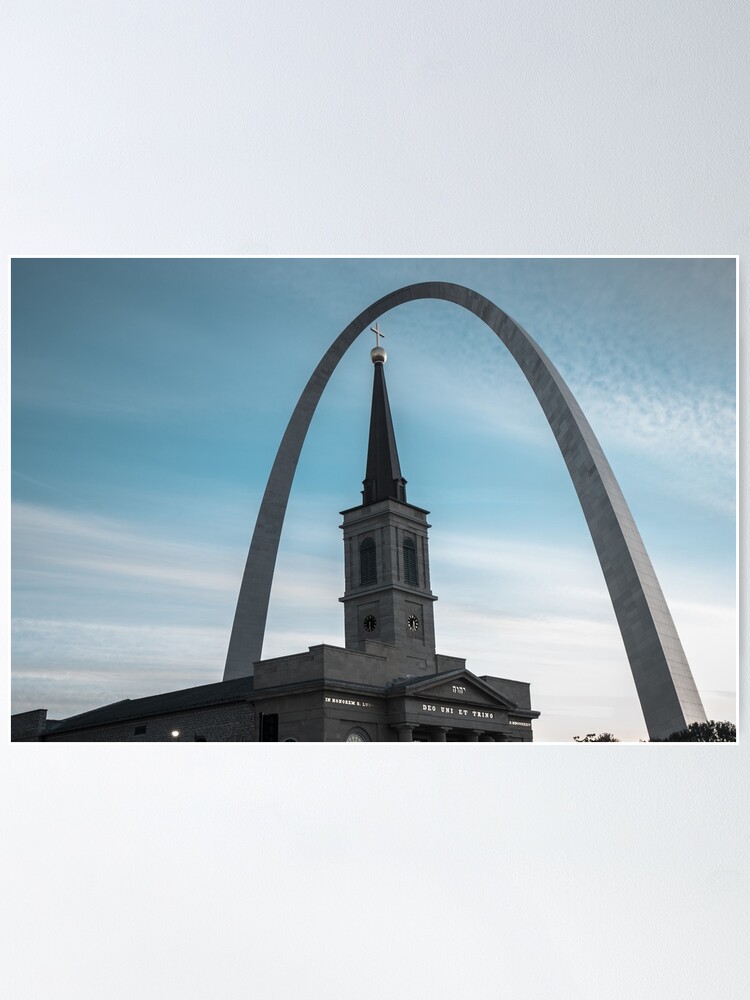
149	397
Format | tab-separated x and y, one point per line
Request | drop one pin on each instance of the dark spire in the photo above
383	479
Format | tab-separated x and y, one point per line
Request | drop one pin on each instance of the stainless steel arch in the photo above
663	680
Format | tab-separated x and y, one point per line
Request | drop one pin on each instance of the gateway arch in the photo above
663	680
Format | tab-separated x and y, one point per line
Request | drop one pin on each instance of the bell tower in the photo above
388	604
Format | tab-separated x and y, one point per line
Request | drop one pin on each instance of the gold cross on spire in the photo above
378	335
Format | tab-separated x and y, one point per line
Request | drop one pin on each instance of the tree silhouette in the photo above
596	738
704	732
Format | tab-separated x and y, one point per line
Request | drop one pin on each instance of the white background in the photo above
492	128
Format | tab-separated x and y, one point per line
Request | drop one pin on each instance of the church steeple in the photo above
383	479
387	599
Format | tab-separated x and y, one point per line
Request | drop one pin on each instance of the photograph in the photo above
530	462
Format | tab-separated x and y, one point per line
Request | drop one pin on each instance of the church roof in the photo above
383	479
423	684
157	704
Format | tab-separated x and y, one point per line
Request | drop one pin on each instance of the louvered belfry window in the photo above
410	563
368	572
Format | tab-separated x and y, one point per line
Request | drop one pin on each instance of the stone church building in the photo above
387	684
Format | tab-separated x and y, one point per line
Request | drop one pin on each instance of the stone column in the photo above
471	738
405	732
439	734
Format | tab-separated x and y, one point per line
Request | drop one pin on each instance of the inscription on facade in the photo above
464	713
518	722
348	701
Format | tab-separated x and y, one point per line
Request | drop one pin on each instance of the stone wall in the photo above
233	722
28	726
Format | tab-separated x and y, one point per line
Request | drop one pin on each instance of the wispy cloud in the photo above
650	416
520	574
70	666
103	607
48	542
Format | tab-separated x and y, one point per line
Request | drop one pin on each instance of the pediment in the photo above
457	687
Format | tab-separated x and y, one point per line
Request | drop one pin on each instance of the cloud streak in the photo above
691	428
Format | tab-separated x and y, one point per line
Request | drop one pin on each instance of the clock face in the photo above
370	623
413	623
